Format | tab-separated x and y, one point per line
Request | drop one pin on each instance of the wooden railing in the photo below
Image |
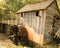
11	22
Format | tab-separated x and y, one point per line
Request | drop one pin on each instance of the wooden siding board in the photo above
25	17
32	20
32	17
51	12
54	8
19	18
37	24
29	18
41	22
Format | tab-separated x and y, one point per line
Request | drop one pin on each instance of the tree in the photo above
8	8
58	2
2	8
13	6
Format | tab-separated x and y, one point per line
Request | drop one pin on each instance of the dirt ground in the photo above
7	43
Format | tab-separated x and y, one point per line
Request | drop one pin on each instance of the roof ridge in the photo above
36	6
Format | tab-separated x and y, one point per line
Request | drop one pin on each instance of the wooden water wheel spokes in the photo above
23	35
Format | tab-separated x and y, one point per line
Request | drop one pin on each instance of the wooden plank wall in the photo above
36	23
52	11
18	18
32	20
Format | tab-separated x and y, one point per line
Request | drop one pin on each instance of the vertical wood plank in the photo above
37	24
40	22
42	18
18	18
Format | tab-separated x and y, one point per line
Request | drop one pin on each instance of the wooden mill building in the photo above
39	17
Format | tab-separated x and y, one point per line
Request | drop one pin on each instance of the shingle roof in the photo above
36	6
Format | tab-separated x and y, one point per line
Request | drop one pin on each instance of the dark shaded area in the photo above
37	13
55	25
19	35
55	39
3	27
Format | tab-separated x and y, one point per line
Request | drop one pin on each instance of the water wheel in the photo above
23	35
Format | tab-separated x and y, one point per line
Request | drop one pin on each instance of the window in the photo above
37	13
21	14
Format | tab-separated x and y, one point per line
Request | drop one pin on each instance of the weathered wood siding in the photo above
52	11
18	17
32	20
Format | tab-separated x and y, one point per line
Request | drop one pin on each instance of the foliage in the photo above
8	8
2	8
58	1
